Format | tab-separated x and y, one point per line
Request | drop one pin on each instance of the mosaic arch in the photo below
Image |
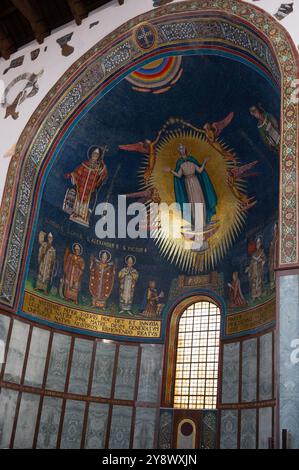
229	28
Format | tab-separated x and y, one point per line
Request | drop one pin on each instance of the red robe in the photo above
88	177
73	271
236	298
101	282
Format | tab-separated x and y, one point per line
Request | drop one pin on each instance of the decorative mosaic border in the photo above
189	22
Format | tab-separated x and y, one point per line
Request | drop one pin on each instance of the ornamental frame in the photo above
87	78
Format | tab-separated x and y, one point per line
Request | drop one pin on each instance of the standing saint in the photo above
128	277
268	127
273	257
74	266
101	279
46	262
255	270
87	178
236	298
192	185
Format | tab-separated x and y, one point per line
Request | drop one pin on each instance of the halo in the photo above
92	148
77	244
130	256
229	219
108	253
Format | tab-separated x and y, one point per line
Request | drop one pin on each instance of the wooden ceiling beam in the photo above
6	45
37	23
78	9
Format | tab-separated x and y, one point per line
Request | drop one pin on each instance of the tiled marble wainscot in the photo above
59	390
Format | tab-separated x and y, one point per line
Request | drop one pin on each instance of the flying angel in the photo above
213	131
237	173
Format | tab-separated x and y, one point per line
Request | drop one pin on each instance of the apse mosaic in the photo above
171	112
166	133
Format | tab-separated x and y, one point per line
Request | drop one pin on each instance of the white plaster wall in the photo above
54	64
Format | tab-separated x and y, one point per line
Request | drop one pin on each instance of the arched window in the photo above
197	355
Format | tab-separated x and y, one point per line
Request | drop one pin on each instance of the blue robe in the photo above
206	186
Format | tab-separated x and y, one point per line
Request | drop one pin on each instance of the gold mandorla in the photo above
229	218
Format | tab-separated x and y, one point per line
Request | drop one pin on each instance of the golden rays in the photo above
229	218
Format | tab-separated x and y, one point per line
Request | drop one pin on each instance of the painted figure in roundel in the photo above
255	270
101	279
128	277
87	178
74	266
193	185
46	262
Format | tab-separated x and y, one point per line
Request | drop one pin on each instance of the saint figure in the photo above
101	279
268	127
153	301
87	178
255	270
236	298
74	266
128	277
46	262
192	185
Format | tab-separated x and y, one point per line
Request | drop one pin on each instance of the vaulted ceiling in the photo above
22	21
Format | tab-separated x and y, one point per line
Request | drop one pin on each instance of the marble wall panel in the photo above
58	362
26	421
16	352
145	425
265	427
126	372
248	429
37	357
72	425
289	357
8	401
103	370
249	370
150	372
229	429
96	426
266	376
49	423
230	373
120	430
80	369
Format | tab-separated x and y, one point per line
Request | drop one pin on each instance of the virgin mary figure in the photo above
192	185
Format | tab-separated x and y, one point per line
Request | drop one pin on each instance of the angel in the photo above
148	148
149	195
213	131
236	173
